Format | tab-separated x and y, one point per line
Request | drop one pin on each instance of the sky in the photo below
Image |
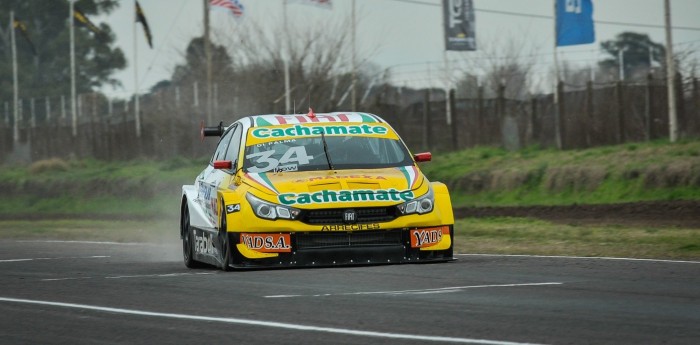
403	36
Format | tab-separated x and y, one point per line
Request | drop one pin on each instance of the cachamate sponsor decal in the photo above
327	196
267	243
421	238
305	131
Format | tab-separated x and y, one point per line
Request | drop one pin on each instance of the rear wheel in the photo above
225	245
187	241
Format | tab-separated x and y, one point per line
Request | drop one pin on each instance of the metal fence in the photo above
592	115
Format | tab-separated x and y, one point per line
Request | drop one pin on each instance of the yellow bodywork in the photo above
246	221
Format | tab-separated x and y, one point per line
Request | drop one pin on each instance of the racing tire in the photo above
187	241
225	245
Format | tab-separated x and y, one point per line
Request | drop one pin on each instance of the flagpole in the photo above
621	61
448	105
137	115
354	61
670	76
557	120
15	87
207	54
74	115
287	98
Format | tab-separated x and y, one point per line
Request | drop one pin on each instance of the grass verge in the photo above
487	176
538	237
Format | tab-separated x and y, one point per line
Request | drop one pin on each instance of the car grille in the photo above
335	215
353	239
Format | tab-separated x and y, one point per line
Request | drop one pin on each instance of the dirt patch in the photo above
653	213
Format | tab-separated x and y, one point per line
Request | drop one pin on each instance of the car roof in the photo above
293	119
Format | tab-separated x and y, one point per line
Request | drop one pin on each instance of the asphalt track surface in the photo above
108	293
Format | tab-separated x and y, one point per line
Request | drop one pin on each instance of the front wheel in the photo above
225	245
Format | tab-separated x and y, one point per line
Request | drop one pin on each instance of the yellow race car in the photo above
313	190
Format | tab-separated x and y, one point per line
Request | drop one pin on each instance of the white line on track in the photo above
271	324
582	257
94	242
416	292
59	258
130	276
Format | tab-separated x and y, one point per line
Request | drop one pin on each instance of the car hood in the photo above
386	184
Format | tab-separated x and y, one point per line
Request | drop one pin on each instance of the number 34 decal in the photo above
264	161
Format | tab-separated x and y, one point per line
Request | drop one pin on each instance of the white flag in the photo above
325	4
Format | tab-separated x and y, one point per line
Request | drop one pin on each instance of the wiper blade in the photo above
325	150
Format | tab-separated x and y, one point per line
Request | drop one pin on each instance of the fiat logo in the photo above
350	216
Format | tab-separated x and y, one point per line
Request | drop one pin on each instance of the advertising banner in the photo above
459	25
575	22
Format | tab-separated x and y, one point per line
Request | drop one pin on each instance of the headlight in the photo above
421	205
267	210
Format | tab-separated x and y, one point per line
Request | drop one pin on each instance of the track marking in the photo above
57	279
61	258
583	257
94	242
415	292
271	324
129	276
157	275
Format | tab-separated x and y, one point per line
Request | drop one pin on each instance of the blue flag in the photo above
575	22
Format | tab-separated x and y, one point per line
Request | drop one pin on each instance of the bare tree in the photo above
503	60
319	59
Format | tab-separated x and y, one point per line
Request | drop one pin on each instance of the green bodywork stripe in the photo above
262	122
408	177
367	118
264	177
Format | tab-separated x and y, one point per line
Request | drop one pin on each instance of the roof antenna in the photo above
309	93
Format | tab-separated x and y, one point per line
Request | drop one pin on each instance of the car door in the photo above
210	178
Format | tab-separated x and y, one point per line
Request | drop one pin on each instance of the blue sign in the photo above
575	22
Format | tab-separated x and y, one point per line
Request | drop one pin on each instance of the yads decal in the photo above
267	243
327	196
421	238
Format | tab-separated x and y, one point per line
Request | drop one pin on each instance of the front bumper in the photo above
319	249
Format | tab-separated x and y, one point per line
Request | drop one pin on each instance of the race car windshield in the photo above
307	154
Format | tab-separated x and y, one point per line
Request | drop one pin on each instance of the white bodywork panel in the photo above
198	217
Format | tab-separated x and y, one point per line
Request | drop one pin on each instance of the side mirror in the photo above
211	131
423	157
226	165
